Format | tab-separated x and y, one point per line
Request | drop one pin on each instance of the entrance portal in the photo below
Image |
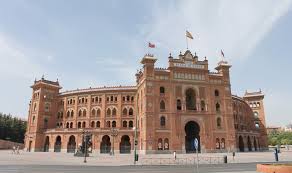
71	146
125	145
192	130
105	146
47	144
241	144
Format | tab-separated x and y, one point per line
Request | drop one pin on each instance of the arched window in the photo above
162	121
125	112
82	100
203	105
162	105
114	124
190	99
71	125
257	125
98	112
178	104
131	111
92	124
217	143
219	122
72	114
256	114
67	125
162	90
114	112
97	124
93	112
80	113
108	124
132	98
33	119
84	113
223	143
166	144
216	93
79	125
46	123
130	124
258	104
160	145
68	114
125	124
83	124
108	112
217	107
128	98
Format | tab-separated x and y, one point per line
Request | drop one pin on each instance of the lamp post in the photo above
135	128
86	136
114	133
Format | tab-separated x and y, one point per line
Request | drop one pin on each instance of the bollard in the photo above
276	154
225	158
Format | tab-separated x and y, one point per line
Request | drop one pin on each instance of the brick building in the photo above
169	107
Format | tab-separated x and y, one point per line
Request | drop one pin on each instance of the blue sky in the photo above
97	43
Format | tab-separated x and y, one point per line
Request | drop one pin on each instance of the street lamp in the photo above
86	136
114	133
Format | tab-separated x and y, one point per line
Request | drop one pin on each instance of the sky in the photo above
95	43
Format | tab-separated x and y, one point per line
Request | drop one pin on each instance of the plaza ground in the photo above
65	162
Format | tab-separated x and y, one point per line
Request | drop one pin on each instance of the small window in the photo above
93	112
46	123
162	105
112	98
125	112
114	112
256	114
166	144
162	121
79	125
72	114
67	125
68	114
125	124
131	111
216	93
98	124
92	124
98	112
108	112
83	124
162	90
132	98
80	113
257	125
203	105
84	113
219	122
160	145
130	124
178	104
114	124
128	98
71	125
217	107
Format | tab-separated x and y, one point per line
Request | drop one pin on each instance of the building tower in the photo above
42	111
256	102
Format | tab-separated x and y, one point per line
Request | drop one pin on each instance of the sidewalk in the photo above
50	158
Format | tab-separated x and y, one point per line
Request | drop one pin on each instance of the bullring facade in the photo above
169	108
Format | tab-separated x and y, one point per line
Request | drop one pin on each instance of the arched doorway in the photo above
58	143
192	130
249	144
255	144
71	146
125	145
105	146
241	144
47	144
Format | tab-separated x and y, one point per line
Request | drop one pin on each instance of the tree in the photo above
12	128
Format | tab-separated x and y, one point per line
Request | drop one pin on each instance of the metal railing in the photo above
181	161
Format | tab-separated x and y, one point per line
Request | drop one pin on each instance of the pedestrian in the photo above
174	155
13	149
17	150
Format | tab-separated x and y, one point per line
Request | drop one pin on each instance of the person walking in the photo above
174	155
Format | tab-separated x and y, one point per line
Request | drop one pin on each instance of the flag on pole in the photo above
189	35
151	45
222	53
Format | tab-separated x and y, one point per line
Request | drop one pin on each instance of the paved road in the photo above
231	168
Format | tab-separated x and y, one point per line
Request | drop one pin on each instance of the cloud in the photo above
15	62
234	26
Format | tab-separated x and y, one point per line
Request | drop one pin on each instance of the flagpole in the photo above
187	43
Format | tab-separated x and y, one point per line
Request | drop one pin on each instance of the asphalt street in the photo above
231	168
